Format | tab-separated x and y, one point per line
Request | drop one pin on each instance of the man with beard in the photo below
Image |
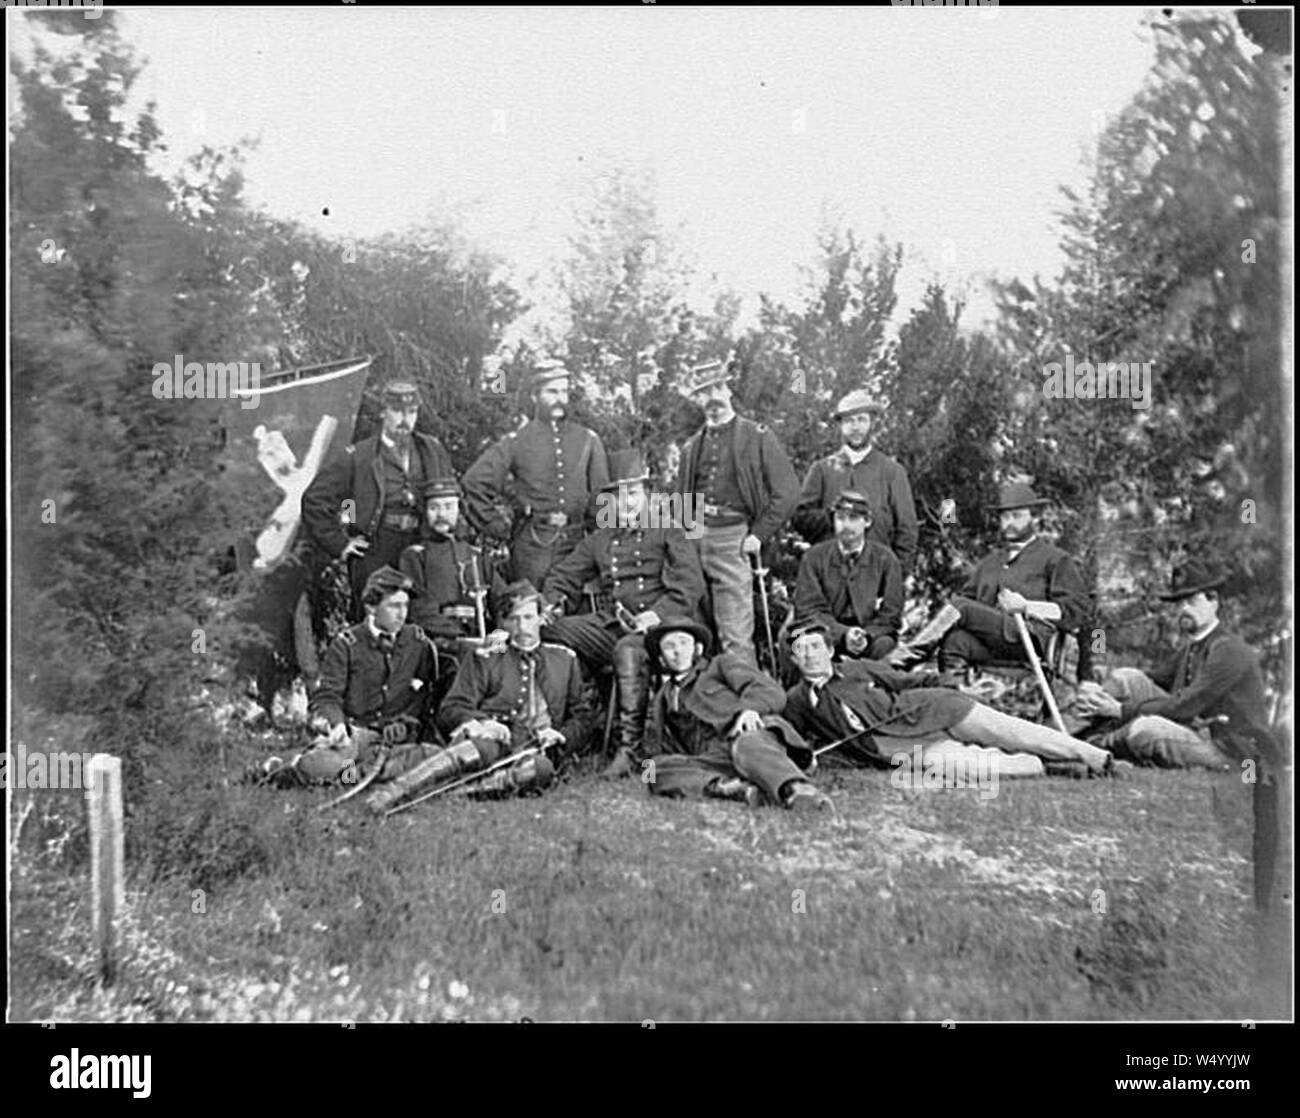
737	488
866	469
886	713
523	691
1212	677
552	466
851	584
1029	576
716	730
379	479
451	582
646	571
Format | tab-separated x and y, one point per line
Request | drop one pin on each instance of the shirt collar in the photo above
1201	639
1013	550
855	457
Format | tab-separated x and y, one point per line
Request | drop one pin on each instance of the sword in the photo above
362	784
520	755
761	574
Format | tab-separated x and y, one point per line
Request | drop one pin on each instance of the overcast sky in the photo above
947	129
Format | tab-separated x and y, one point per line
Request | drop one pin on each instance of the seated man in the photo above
852	585
450	582
647	571
524	692
885	712
719	719
373	692
1213	676
1029	576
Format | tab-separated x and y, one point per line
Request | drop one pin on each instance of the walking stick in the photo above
1034	662
761	574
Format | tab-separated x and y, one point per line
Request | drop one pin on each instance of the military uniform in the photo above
389	512
885	484
526	691
555	469
865	592
735	480
1039	571
639	568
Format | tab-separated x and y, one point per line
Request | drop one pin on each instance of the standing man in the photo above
364	505
894	712
715	728
552	467
1029	576
862	467
452	582
646	571
851	584
737	488
527	692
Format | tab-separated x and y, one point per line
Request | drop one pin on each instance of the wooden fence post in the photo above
103	776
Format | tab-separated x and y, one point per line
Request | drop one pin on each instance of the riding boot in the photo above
631	673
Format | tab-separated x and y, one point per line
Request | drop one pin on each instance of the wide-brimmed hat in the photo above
1018	495
676	625
1190	578
857	402
626	467
703	375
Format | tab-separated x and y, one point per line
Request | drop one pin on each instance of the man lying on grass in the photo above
884	713
714	728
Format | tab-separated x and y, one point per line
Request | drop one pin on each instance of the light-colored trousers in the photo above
986	731
1155	740
730	581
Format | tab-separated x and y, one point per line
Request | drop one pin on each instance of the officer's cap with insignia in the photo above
518	594
383	582
805	629
852	502
704	375
440	487
858	402
401	394
547	372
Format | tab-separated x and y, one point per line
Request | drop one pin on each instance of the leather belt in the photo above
551	519
710	509
461	613
400	521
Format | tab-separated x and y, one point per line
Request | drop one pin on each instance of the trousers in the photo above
599	644
1154	740
982	634
537	547
729	584
757	757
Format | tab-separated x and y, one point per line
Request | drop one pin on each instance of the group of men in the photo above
638	591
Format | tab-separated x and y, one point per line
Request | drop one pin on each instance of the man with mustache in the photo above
737	488
646	569
1213	676
364	505
863	467
1028	576
551	466
851	584
452	581
884	713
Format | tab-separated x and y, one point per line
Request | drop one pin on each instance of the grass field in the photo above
1056	899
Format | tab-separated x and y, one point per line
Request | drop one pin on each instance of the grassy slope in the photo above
917	905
